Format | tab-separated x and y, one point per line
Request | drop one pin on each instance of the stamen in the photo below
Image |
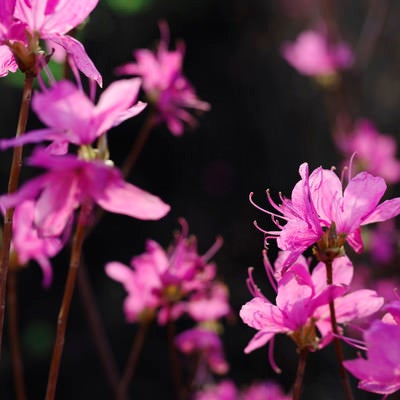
269	271
47	70
219	241
271	359
351	165
266	211
358	344
75	72
251	285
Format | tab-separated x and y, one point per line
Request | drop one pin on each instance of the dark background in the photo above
265	120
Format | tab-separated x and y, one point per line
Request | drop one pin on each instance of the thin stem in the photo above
14	338
301	367
133	359
15	171
76	250
96	327
371	31
173	356
140	141
336	340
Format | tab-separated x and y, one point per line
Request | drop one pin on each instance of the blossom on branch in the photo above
70	181
320	208
165	85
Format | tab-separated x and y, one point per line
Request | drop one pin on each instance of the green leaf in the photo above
129	6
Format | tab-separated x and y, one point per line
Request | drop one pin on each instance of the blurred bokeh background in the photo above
266	119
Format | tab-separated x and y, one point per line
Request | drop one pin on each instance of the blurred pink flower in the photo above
264	391
375	152
312	55
170	281
380	372
165	85
70	181
319	200
29	245
73	118
225	390
207	344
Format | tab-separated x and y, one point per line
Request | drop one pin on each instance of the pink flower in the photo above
225	390
28	245
11	30
205	342
311	54
165	85
380	372
24	22
264	391
302	304
52	20
169	281
319	200
73	118
376	153
70	181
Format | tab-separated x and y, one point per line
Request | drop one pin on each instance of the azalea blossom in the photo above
312	54
207	343
11	30
227	390
49	20
319	202
72	117
170	281
28	245
379	373
376	152
70	181
165	85
302	304
264	391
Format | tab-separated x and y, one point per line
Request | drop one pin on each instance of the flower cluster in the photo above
172	282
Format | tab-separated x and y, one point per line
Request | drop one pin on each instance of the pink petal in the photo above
7	61
130	112
259	313
121	273
358	304
116	101
65	107
360	198
121	197
6	9
76	50
259	339
56	204
37	136
388	209
64	15
326	193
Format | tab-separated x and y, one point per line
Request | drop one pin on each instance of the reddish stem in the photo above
76	250
336	340
15	171
14	338
301	367
133	359
96	327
